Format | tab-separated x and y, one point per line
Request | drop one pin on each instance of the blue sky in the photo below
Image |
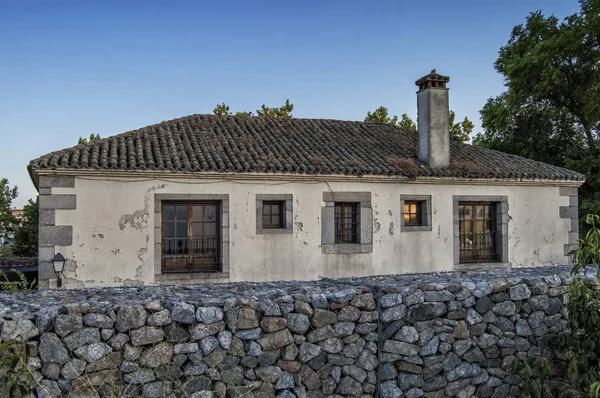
70	68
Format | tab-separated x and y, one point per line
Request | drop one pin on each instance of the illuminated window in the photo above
413	213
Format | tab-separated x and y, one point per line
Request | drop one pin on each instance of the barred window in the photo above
347	228
478	232
191	237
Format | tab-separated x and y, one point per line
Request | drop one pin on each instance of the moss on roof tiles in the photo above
210	143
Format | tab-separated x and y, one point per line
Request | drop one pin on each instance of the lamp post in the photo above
58	261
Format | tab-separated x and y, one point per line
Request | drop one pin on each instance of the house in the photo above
226	198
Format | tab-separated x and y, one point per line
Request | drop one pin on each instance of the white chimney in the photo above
433	120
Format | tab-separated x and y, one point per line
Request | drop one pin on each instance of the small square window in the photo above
413	213
416	213
273	214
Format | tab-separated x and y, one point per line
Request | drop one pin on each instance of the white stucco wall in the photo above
113	229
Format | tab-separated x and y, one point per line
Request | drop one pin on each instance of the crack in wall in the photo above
139	218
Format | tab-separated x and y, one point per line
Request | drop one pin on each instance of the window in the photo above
478	232
413	215
416	213
273	214
190	237
347	222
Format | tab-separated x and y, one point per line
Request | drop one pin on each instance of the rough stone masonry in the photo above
452	334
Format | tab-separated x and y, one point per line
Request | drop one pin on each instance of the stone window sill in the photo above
273	231
481	266
347	248
191	276
416	228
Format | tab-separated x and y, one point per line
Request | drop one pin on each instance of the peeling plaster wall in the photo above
113	229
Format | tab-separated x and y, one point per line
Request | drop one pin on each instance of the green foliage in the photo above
16	380
7	219
26	235
583	305
551	109
282	112
93	138
21	284
460	130
221	110
536	376
407	122
588	253
380	115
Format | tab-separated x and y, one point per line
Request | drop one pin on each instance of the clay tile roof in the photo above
210	143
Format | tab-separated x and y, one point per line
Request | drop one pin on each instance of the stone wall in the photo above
420	335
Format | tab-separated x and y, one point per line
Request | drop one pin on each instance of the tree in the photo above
380	115
550	110
460	130
26	235
93	138
221	110
7	219
407	122
282	112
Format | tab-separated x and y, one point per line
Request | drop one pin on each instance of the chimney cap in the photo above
432	80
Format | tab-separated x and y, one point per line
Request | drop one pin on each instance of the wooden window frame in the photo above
476	249
281	219
217	266
343	223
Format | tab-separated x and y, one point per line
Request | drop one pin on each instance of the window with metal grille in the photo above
347	222
191	239
273	214
478	232
413	213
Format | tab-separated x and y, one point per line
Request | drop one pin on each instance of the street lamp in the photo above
58	261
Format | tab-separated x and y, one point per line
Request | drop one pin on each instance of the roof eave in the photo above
168	174
33	176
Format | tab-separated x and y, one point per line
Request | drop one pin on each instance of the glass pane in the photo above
479	226
168	213
275	221
210	229
266	220
275	209
181	213
467	226
480	211
266	209
168	229
197	212
468	212
488	225
406	218
197	229
181	229
461	212
210	213
488	213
